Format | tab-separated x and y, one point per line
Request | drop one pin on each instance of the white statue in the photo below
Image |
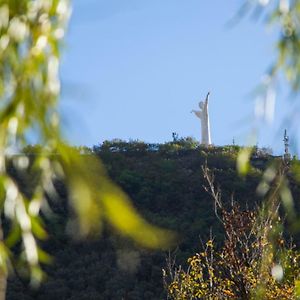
202	114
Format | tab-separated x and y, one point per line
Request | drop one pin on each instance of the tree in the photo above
255	262
31	33
284	17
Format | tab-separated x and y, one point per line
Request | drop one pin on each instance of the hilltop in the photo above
165	183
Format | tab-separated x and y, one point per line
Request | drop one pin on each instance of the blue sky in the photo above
134	69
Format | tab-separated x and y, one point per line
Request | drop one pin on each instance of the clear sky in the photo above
134	69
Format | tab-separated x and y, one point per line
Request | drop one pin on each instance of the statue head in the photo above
201	105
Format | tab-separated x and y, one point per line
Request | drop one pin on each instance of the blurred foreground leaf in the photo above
31	33
96	198
243	161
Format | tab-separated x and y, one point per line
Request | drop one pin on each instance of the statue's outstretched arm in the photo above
197	113
207	98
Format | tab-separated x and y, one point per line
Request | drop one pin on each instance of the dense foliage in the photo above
255	262
165	183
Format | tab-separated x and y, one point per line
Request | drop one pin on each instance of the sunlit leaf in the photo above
243	161
95	197
122	215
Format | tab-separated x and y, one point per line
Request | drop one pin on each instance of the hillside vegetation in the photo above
165	182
